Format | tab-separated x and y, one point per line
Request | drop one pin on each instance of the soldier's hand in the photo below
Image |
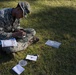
19	34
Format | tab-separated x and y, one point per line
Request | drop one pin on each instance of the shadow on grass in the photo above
62	22
5	57
60	19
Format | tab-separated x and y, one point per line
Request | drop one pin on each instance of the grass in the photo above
54	20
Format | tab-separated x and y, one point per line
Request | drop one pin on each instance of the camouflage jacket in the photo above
7	22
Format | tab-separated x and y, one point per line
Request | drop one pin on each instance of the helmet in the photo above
25	6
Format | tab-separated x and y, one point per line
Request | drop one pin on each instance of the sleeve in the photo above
2	32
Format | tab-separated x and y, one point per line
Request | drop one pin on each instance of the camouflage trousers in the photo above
22	43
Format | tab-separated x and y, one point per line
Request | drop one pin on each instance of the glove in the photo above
19	34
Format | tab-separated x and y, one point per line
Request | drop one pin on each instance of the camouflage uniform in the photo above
8	24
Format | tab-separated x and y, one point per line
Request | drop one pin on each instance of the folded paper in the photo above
31	57
53	43
18	69
8	43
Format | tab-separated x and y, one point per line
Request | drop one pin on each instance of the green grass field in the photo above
54	20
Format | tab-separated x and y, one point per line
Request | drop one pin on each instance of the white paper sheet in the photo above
53	43
31	57
18	69
8	43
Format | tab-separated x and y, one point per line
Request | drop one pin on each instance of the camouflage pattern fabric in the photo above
23	43
8	24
